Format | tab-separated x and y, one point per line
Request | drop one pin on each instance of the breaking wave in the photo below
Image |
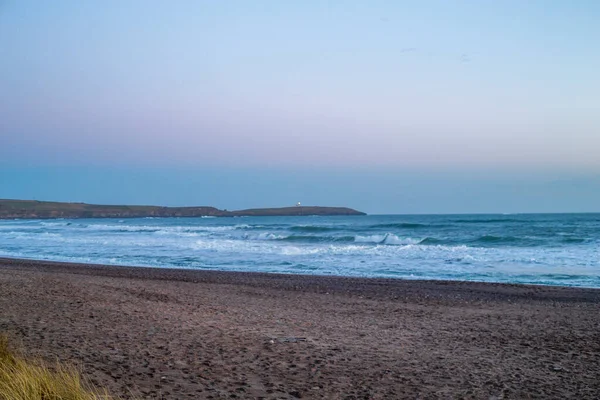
401	225
543	249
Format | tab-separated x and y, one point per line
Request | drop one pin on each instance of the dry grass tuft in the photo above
25	380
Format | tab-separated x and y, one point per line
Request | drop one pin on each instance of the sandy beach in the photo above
173	334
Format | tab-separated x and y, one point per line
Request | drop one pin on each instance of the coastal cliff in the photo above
33	209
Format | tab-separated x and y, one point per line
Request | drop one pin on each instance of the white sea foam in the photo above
265	236
388	238
300	251
163	229
379	246
53	223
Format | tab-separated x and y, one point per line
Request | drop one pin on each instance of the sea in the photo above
545	249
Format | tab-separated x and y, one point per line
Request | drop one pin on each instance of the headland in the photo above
33	209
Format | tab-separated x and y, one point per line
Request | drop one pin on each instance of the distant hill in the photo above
33	209
293	211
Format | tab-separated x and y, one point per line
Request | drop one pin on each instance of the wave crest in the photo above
401	225
388	238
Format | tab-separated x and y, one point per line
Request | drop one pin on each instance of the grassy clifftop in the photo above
23	209
47	209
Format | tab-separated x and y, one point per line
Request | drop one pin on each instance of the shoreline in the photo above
212	275
173	333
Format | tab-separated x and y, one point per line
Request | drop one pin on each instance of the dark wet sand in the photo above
175	334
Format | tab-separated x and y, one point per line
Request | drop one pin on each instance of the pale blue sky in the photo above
470	106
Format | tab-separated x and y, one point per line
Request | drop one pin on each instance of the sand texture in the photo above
169	334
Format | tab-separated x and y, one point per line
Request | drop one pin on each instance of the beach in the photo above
172	334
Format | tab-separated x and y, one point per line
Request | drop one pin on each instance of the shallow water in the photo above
556	249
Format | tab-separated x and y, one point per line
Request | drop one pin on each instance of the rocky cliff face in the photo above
32	209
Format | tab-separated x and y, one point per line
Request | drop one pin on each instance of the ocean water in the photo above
553	249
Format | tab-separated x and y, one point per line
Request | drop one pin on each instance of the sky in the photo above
384	106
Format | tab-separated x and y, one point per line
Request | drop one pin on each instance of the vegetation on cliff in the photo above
10	209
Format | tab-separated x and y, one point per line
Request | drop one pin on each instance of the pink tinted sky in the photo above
509	87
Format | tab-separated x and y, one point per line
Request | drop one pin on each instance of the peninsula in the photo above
33	209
